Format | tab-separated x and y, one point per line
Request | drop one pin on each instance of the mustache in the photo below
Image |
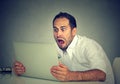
60	38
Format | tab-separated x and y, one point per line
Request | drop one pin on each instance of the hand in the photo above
19	68
61	72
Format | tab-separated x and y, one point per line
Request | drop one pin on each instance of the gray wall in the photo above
31	21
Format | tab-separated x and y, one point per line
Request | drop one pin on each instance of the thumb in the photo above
59	62
62	65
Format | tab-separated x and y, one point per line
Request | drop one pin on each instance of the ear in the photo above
74	31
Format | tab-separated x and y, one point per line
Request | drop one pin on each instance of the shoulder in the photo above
88	45
85	41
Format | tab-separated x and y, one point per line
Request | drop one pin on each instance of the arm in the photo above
62	73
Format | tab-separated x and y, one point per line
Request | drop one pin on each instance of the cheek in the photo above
55	35
68	38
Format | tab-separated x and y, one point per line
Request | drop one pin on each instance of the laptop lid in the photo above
37	58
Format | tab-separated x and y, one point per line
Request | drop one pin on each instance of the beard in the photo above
63	43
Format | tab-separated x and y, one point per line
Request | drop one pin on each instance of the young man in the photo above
81	58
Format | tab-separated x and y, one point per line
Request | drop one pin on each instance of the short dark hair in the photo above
71	19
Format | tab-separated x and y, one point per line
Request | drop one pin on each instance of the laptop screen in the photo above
37	58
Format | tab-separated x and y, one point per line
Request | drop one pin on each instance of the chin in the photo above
63	48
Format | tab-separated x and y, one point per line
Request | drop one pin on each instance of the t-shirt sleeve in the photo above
96	56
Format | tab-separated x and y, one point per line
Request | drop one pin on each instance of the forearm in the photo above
91	75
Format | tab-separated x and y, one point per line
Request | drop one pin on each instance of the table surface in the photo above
13	79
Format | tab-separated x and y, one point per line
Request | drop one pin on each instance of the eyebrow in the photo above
62	26
54	27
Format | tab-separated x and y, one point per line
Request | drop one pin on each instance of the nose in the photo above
59	33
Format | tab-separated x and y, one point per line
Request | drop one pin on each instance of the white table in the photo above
13	79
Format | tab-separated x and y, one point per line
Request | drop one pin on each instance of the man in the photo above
81	58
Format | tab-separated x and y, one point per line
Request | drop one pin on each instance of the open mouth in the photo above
60	41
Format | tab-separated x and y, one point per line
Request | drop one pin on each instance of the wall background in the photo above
31	21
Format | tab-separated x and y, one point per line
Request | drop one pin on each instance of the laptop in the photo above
37	58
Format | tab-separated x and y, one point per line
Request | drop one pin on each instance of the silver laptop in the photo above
38	58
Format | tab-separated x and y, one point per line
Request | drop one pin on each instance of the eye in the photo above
55	29
63	28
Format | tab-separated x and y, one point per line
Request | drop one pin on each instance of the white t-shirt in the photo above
85	54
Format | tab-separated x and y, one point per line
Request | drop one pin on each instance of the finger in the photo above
19	68
62	65
19	71
59	76
58	70
18	63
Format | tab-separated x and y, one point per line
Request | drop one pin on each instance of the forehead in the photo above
61	22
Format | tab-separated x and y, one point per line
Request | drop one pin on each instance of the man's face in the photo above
63	33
